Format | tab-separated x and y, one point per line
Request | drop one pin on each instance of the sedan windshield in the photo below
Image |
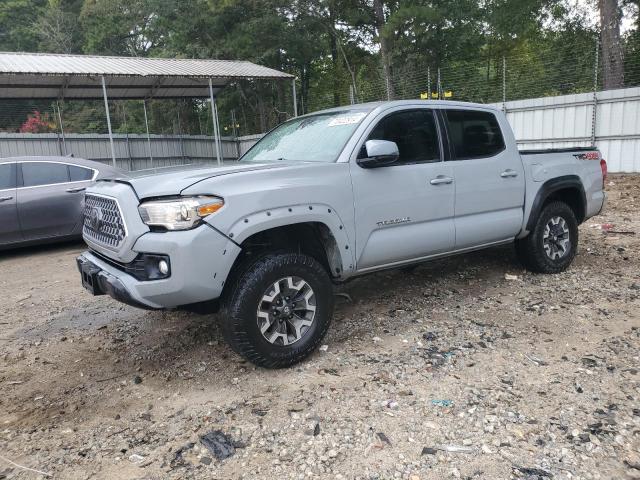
316	138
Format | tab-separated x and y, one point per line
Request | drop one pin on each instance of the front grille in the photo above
103	223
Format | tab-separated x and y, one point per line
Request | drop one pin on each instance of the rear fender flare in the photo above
548	188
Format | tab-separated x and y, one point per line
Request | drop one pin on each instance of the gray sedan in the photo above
42	198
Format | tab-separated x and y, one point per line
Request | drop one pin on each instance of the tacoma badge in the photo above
395	221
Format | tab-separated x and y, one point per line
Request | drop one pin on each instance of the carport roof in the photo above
50	76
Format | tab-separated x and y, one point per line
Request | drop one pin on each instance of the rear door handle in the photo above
509	173
441	180
4	199
76	190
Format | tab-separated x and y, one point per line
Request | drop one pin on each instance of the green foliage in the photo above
17	18
332	46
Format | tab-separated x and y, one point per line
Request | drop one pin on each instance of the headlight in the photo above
179	213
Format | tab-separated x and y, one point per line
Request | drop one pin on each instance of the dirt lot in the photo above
449	371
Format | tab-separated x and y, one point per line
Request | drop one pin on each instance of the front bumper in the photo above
200	262
98	282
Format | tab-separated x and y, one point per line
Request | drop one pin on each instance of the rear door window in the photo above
473	134
79	174
7	176
44	173
413	131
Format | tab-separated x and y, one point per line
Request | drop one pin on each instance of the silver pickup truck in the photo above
325	197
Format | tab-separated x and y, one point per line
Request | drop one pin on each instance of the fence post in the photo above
64	143
594	113
59	143
504	85
295	97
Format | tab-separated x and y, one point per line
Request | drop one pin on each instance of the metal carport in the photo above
85	77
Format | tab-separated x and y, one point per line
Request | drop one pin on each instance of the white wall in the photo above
132	151
566	121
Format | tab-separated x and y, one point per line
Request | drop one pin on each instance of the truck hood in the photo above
160	182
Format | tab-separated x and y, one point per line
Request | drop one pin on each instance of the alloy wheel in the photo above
556	239
286	311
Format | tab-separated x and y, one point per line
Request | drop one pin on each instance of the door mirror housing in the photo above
380	153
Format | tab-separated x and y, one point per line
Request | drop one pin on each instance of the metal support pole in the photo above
234	131
295	98
233	123
181	140
214	117
146	124
439	84
106	108
218	138
126	132
429	82
64	142
594	113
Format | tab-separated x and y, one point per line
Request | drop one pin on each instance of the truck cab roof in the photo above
383	105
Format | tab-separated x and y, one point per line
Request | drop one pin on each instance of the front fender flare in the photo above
260	221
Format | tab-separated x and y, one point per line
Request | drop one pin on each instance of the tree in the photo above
612	47
385	45
58	29
121	27
17	18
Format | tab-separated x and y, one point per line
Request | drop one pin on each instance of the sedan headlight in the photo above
179	213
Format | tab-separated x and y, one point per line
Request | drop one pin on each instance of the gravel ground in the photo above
452	370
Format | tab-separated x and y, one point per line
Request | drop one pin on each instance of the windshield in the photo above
317	138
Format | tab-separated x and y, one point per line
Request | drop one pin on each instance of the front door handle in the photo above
509	173
4	199
76	190
441	180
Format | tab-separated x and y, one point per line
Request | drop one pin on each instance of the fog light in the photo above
163	266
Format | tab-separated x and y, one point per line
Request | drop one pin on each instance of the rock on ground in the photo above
465	368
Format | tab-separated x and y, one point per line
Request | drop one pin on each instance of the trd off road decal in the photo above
587	156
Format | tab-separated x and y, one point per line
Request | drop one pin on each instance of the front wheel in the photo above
279	309
553	243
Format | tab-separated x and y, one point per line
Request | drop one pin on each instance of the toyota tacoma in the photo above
326	197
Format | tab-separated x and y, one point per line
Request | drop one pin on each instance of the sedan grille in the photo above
103	223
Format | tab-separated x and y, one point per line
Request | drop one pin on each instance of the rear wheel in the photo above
279	309
552	244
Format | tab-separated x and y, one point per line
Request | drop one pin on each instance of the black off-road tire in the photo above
530	250
239	314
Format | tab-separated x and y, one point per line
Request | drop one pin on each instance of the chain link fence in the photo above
554	70
249	107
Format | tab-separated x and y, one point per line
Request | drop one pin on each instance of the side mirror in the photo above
380	153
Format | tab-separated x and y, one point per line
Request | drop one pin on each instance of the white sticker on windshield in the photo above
347	119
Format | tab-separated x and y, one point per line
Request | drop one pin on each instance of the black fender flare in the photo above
554	185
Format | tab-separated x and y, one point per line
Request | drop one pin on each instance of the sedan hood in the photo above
160	182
